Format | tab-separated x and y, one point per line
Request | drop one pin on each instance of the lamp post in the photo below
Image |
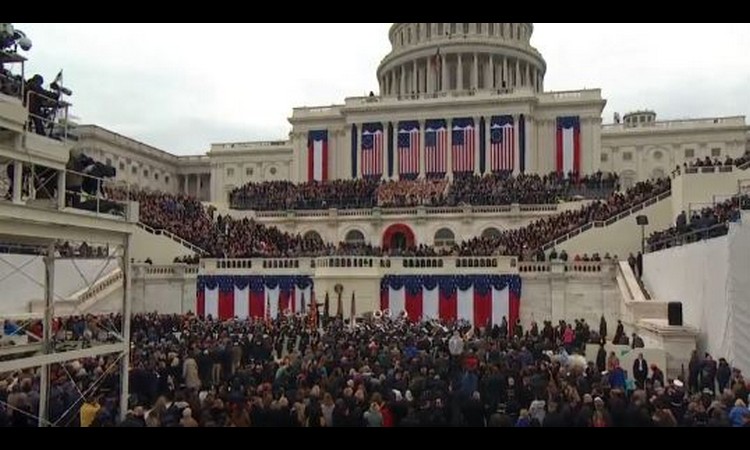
642	220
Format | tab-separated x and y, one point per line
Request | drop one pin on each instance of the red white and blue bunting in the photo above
228	296
482	300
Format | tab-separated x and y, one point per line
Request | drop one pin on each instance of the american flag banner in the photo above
372	149
568	144
408	149
502	143
482	300
463	145
227	297
436	147
317	155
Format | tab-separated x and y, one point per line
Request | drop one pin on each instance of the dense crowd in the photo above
505	189
405	193
525	241
707	223
285	195
225	236
715	162
501	188
190	372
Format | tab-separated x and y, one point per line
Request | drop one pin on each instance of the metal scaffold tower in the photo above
48	215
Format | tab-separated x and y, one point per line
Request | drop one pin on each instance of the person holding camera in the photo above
38	99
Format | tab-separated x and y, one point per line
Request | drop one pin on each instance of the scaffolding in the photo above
40	212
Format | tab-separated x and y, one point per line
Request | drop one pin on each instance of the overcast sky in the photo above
181	87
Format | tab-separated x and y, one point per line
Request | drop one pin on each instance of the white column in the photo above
531	164
527	79
429	76
475	73
517	81
489	79
394	141
505	78
415	78
459	74
516	147
185	184
476	147
421	149
445	83
449	165
60	189
487	136
402	81
359	151
17	181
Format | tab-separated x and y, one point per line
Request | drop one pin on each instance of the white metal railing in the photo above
605	223
174	237
377	265
51	119
427	210
592	267
99	286
678	124
80	191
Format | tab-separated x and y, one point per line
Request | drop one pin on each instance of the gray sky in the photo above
181	87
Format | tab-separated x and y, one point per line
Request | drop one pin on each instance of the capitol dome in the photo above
432	58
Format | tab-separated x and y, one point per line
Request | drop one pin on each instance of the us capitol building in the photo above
483	83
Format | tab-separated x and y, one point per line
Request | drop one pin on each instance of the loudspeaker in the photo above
641	220
674	313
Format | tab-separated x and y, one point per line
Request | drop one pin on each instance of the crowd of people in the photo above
702	224
525	242
285	195
407	193
502	188
713	162
225	236
187	371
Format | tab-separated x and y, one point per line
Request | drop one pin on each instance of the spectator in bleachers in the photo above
707	223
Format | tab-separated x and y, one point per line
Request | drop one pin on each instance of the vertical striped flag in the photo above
435	147
252	296
408	148
482	301
372	149
502	148
317	155
569	145
463	145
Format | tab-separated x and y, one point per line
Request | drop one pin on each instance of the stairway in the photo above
80	302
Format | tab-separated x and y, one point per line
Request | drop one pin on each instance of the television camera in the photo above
10	39
83	183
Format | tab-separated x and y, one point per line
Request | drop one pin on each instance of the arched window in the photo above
491	28
428	30
312	235
440	29
627	179
479	28
453	28
355	237
491	233
466	28
444	237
